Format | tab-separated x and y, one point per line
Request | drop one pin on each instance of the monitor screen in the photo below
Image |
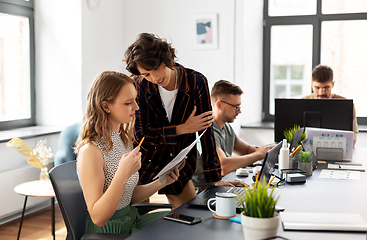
270	159
320	113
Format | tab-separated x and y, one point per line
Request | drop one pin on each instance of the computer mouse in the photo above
242	172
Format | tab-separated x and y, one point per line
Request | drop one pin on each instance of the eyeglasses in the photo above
238	108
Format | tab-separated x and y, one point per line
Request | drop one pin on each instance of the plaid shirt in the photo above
161	143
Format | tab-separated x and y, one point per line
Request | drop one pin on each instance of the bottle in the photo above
283	159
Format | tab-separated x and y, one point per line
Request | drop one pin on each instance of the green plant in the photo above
258	202
288	134
304	157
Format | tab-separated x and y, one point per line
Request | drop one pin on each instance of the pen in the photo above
295	150
272	178
141	141
257	178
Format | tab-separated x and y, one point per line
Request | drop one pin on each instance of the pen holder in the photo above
293	159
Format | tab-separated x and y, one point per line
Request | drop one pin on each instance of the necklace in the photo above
176	78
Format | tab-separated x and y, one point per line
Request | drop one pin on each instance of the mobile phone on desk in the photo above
182	218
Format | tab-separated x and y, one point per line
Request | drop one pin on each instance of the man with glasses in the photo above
322	84
226	103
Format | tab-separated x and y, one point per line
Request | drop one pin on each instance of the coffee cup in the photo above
225	204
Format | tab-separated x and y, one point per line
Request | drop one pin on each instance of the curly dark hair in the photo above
149	52
322	74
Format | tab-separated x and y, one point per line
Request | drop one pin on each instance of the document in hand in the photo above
177	160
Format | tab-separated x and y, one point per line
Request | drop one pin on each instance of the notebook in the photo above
323	221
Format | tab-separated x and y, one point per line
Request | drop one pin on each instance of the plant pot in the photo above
306	166
259	228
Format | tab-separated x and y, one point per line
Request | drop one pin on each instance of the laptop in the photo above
323	221
270	159
295	140
268	168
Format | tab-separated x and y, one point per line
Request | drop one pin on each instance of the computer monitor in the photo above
320	113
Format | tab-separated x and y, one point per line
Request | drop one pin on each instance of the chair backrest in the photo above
67	139
70	197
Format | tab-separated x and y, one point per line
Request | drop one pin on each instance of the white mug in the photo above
225	205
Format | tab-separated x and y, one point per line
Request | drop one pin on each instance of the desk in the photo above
316	195
38	188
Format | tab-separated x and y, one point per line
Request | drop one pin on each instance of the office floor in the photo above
37	226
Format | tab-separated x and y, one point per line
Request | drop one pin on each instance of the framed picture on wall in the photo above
205	31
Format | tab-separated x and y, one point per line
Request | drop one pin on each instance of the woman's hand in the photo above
174	174
195	123
130	162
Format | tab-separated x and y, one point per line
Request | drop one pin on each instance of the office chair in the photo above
74	211
67	139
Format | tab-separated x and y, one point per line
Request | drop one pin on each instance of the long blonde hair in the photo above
105	87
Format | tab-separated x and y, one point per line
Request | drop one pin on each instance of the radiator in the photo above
11	203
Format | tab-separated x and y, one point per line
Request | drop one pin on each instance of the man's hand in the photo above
230	183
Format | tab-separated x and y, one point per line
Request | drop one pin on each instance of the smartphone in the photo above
182	218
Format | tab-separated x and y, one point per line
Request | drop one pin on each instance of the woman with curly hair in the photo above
106	163
174	104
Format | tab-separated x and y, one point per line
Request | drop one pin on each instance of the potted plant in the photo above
305	162
258	217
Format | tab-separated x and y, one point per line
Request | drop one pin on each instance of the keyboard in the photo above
240	194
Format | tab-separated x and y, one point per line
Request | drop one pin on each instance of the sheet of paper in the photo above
177	160
339	174
346	167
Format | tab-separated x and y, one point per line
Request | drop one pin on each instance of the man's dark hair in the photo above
322	74
149	51
224	87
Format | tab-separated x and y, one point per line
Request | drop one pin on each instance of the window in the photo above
288	81
16	64
298	35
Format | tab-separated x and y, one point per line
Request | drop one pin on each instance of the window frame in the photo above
314	20
25	9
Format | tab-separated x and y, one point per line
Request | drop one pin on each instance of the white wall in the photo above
252	54
58	61
102	41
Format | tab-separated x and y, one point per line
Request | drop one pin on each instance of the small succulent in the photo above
304	157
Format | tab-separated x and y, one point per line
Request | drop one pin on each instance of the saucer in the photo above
219	217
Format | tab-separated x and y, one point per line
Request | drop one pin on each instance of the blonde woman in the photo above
107	167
